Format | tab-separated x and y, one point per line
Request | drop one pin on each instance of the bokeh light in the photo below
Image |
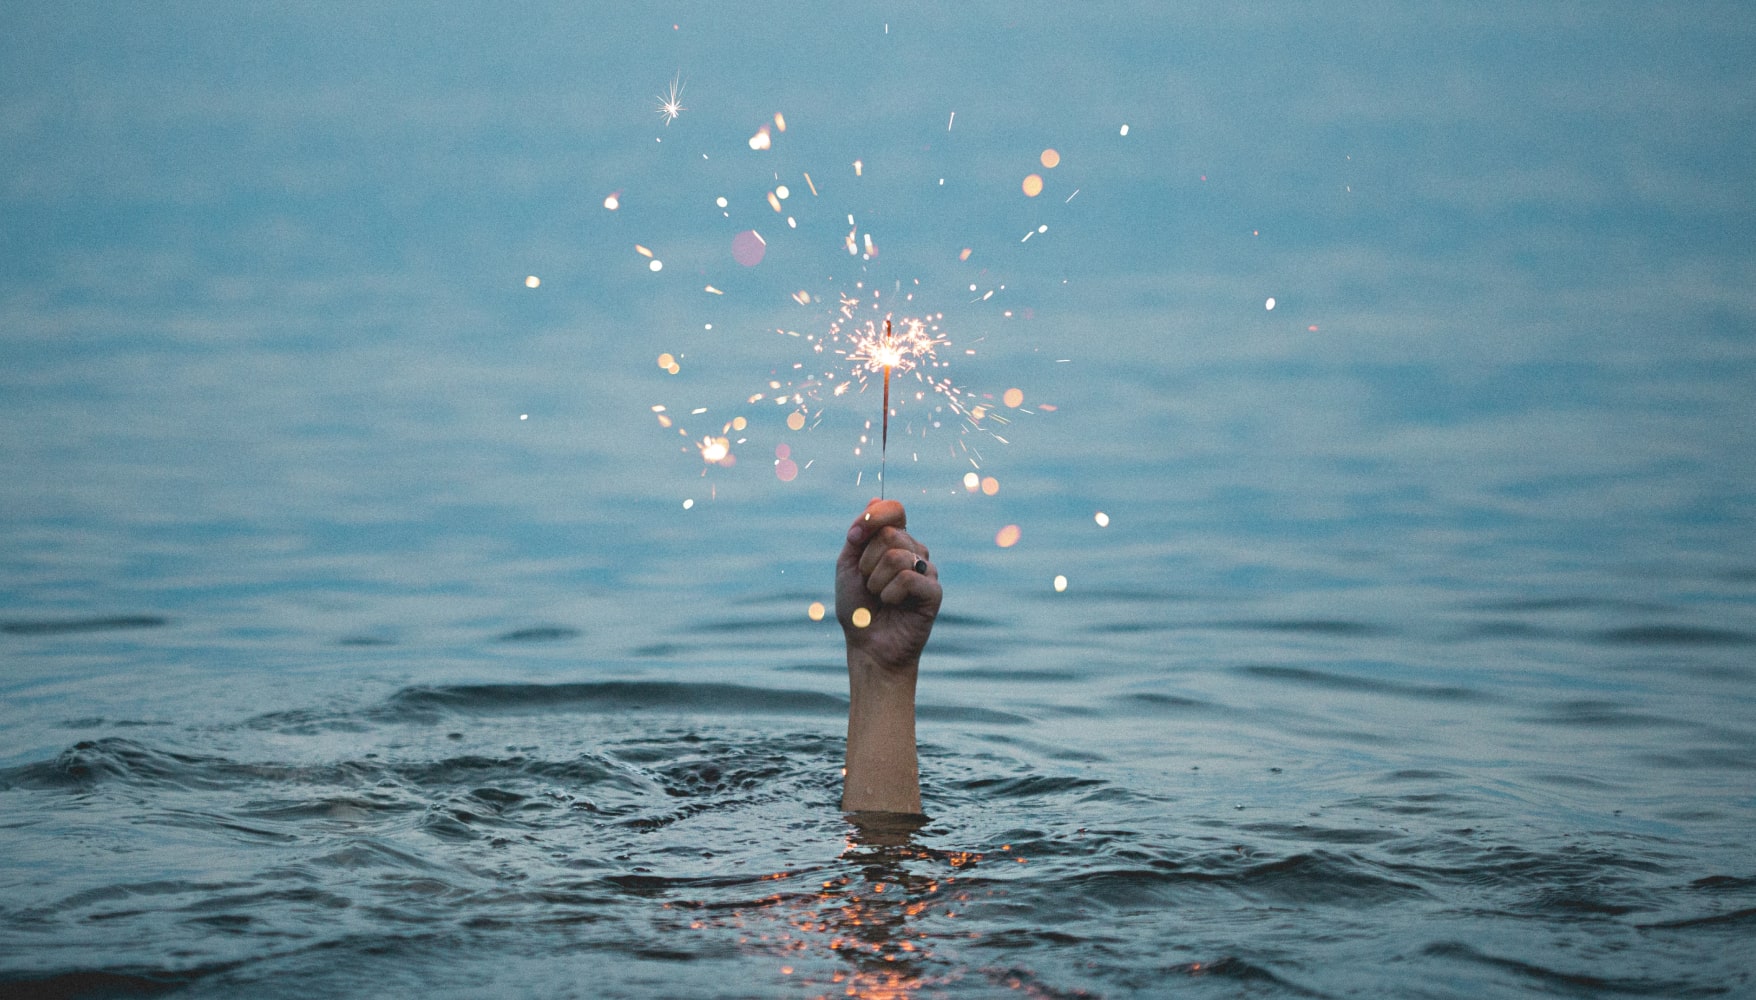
1051	159
972	482
1102	519
815	611
1033	185
990	485
1013	398
748	248
532	281
1007	537
861	617
1060	583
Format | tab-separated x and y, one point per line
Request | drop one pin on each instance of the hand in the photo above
877	571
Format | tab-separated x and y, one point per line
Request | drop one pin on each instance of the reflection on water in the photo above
866	925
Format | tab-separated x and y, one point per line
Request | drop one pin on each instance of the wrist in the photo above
874	677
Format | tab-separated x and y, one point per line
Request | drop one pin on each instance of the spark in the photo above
670	106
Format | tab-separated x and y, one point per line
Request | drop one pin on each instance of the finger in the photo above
887	539
878	515
894	563
899	565
913	588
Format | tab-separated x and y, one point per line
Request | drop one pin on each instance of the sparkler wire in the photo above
884	438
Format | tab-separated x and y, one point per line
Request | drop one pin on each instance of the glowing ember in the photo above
911	344
971	482
532	281
613	201
1060	584
1269	305
670	106
1102	519
714	449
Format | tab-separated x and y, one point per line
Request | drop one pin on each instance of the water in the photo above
1415	659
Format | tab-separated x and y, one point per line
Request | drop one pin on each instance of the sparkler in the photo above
853	348
886	352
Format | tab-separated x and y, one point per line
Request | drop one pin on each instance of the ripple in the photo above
98	983
1598	713
76	626
1737	920
423	702
1330	680
1674	635
1300	878
1308	626
539	633
1569	981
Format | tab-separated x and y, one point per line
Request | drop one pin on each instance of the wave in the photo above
1332	681
1571	982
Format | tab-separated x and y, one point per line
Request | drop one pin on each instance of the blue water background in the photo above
1448	556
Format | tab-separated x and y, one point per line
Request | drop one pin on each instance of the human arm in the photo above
883	572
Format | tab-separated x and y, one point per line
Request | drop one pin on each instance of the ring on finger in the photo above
921	566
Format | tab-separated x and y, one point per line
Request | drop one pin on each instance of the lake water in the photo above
365	633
